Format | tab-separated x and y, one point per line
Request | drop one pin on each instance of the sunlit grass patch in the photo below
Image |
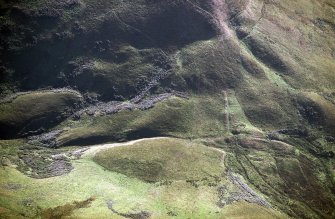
163	160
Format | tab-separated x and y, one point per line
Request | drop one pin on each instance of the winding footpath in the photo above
96	148
226	106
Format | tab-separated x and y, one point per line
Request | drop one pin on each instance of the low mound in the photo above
318	110
247	210
163	160
33	112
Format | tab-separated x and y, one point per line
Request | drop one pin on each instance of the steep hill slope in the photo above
252	78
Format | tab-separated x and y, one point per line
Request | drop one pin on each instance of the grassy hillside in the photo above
163	161
92	191
253	80
38	110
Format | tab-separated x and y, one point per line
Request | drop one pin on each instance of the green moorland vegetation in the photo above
179	191
167	109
